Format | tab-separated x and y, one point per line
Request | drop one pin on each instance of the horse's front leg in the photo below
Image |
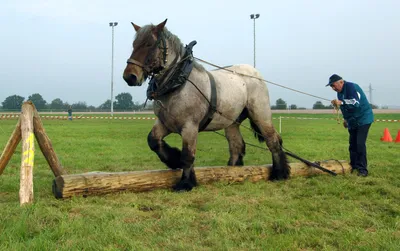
189	140
169	155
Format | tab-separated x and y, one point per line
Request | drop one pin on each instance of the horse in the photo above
189	99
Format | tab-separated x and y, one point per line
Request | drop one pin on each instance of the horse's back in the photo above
252	86
245	77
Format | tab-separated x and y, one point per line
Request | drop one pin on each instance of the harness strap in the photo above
213	105
135	62
173	77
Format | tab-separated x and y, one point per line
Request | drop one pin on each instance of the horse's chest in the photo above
171	120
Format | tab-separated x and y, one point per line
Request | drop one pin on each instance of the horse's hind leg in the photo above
189	140
237	147
280	167
169	155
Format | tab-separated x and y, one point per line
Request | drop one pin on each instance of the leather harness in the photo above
169	82
213	105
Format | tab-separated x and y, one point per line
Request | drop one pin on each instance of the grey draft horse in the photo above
231	98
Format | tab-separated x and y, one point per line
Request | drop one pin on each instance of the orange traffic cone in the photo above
386	136
397	140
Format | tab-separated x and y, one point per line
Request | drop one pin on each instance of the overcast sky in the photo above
62	48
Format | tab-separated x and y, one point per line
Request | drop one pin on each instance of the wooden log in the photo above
28	153
46	147
10	147
96	183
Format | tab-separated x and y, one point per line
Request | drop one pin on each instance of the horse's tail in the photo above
257	132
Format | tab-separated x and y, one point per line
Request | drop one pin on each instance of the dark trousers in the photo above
357	147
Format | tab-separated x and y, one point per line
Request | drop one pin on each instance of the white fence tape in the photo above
15	116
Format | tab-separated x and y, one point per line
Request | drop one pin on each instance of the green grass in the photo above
315	213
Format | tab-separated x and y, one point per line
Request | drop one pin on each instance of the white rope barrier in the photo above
16	116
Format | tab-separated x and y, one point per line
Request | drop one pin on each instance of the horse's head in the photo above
149	54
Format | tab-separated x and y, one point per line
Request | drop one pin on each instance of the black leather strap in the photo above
159	86
213	105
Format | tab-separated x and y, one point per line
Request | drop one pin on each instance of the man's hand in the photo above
336	103
345	123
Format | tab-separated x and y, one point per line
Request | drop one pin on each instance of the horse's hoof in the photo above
183	187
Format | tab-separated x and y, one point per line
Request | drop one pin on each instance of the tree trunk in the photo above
96	183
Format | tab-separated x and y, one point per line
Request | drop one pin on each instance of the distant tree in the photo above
148	107
91	108
319	105
38	101
79	106
106	105
57	104
13	102
66	106
123	101
281	104
293	107
138	106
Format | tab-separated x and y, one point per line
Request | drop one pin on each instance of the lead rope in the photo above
234	72
266	81
337	115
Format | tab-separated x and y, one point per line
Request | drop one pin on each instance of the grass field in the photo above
314	213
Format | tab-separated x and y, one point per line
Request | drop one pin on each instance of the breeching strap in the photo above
212	107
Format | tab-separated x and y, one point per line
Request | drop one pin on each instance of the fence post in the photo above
28	153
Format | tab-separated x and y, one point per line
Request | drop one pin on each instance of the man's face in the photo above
337	86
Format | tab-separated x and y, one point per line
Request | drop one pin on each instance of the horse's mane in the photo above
176	45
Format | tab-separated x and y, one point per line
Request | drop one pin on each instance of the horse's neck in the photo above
173	58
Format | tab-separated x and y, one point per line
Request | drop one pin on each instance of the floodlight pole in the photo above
254	17
112	24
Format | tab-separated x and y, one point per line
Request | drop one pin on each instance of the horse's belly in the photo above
226	116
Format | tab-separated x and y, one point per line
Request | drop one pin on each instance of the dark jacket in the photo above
356	109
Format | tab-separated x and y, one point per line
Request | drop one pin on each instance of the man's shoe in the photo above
353	170
362	173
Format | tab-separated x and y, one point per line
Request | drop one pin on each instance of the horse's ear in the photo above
160	26
137	27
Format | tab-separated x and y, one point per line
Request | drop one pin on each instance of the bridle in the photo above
149	67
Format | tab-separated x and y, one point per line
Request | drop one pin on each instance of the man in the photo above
358	117
70	113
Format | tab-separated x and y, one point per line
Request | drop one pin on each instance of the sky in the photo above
62	48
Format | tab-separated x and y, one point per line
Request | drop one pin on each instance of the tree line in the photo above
282	105
123	102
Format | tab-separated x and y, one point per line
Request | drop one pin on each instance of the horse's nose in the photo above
131	79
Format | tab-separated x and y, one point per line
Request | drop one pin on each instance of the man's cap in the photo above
333	79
